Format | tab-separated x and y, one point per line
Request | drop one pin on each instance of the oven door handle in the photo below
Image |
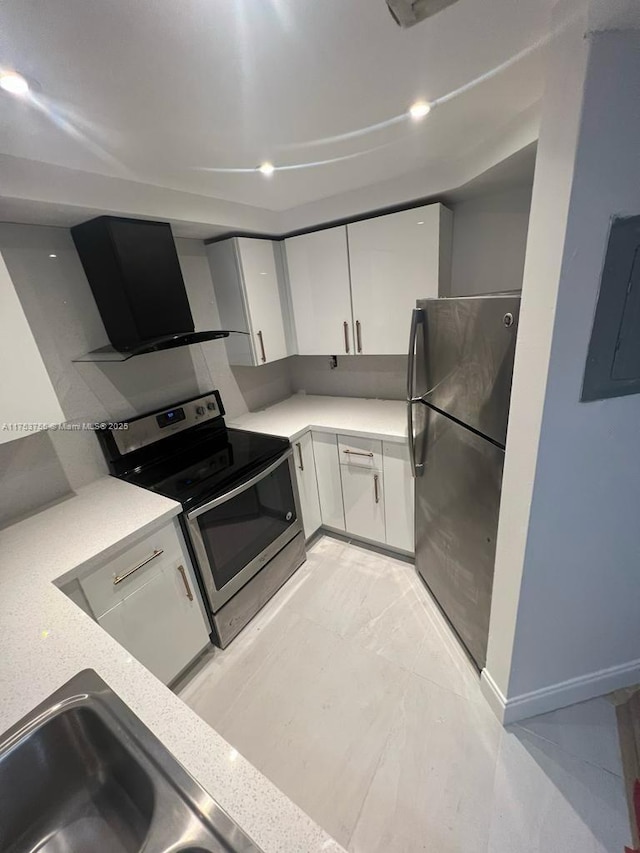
227	496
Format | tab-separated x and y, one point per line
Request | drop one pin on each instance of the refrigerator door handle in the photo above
417	319
416	467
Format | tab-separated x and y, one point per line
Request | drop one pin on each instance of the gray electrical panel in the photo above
613	359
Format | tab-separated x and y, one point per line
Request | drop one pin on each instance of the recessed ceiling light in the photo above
267	169
421	222
419	110
52	255
13	83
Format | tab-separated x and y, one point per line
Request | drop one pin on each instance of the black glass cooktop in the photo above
204	469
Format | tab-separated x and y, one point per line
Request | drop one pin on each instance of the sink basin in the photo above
82	773
69	784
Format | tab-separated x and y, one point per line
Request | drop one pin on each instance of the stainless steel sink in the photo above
82	774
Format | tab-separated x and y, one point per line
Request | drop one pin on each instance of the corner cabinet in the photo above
318	271
148	599
27	395
394	260
325	451
307	481
353	286
250	292
365	489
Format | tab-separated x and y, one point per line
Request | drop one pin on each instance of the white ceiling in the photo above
156	93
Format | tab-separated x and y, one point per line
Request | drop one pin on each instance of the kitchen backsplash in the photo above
376	376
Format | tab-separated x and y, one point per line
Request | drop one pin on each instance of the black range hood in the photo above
134	273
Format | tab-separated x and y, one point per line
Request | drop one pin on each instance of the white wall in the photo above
564	621
61	311
489	242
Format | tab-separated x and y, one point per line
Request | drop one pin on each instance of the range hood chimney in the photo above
134	273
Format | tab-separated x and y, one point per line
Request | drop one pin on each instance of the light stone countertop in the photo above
383	419
45	639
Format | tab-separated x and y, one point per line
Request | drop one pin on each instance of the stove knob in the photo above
199	410
211	406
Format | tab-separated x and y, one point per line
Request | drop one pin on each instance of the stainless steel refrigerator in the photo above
458	389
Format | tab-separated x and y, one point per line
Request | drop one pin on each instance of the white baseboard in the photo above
493	694
557	695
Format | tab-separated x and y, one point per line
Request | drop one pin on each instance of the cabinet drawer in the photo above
363	452
132	568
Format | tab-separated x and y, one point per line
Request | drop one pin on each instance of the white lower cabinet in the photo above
307	484
363	494
325	451
147	598
356	484
159	624
399	500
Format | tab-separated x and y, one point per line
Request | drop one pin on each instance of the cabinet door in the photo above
363	502
158	623
26	391
394	260
263	299
318	268
399	495
325	451
307	484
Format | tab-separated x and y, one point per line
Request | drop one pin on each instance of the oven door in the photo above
234	535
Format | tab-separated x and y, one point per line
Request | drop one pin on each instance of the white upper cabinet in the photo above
250	297
394	260
318	267
26	392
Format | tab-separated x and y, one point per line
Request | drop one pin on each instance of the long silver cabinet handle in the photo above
299	446
358	336
375	488
345	327
260	338
119	578
358	453
186	582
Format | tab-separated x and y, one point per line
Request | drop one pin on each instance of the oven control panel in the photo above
139	432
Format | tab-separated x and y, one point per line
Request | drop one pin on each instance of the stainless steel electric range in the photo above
241	510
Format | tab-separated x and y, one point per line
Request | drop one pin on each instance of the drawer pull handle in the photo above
299	446
358	453
186	582
345	327
375	488
119	578
358	336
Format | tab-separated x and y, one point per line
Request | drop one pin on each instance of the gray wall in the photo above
54	292
377	376
490	241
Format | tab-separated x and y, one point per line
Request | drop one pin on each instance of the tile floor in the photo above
349	692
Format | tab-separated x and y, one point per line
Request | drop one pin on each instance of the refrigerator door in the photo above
464	359
457	505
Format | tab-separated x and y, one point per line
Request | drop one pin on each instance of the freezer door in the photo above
457	505
464	359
